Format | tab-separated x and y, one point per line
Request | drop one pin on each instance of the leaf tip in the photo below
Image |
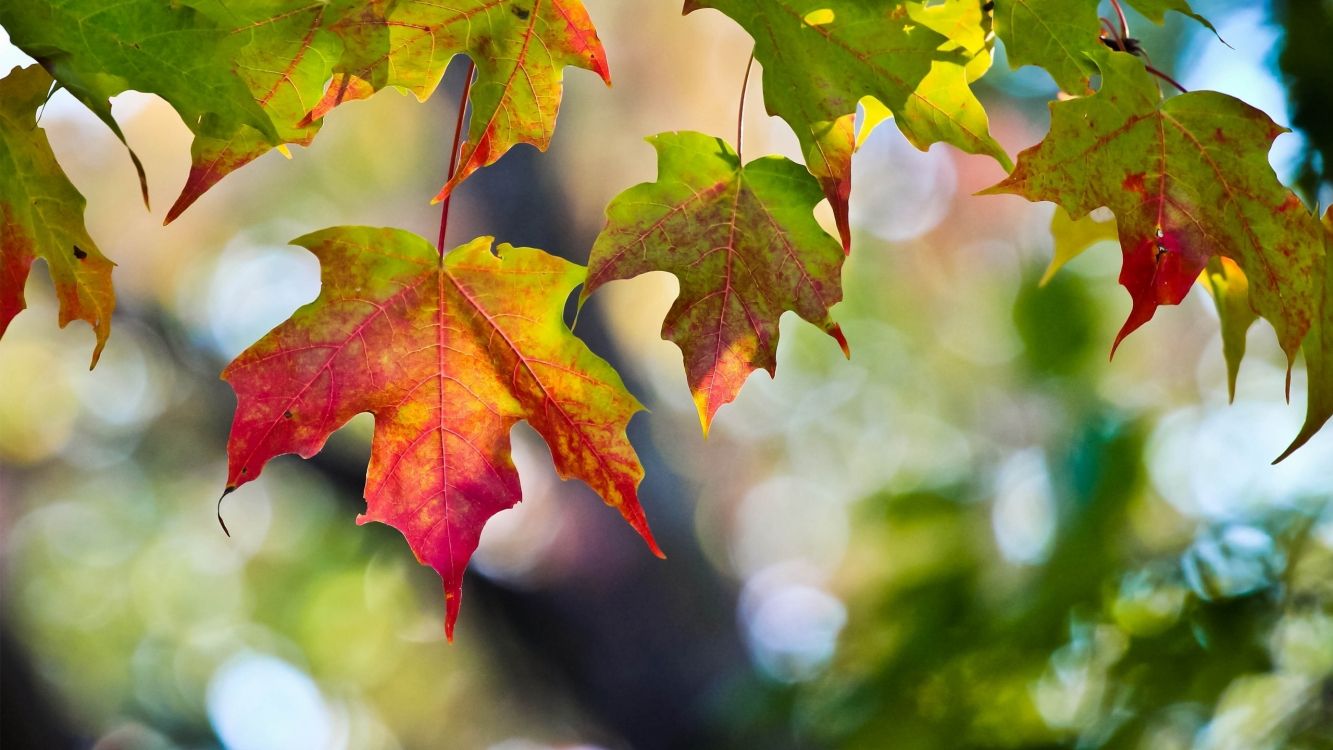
1049	274
1116	345
633	514
226	491
1003	187
184	201
705	421
1296	444
836	332
453	595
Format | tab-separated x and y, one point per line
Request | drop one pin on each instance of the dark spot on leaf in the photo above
79	253
287	415
521	12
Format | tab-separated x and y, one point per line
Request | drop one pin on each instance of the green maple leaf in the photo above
745	246
284	54
1188	179
1058	34
99	48
1319	353
449	353
1052	34
41	216
822	57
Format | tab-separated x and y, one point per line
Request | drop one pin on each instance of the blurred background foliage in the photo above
976	533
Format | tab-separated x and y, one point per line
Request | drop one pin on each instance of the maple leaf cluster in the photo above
448	350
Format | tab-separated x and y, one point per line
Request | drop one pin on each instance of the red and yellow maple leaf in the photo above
448	353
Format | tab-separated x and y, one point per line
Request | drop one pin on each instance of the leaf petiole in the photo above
740	116
453	153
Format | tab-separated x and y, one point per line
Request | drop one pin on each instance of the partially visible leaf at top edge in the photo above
1156	10
97	49
822	57
1319	353
447	353
284	54
41	216
1051	34
744	243
1057	34
520	47
247	76
1188	179
966	28
966	31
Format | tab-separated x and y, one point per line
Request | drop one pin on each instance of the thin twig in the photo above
740	116
221	522
1113	36
453	154
1166	78
1124	23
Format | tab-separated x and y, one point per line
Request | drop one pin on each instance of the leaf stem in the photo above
1124	43
1124	23
1113	35
221	522
453	153
1166	78
740	116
